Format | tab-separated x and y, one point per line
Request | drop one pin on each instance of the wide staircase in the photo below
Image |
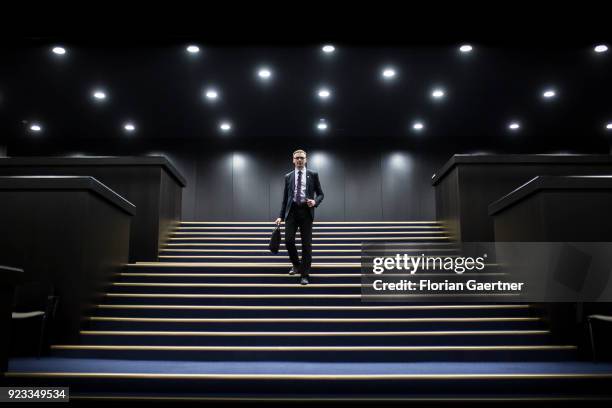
217	295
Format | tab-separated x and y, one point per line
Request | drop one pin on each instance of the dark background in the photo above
373	166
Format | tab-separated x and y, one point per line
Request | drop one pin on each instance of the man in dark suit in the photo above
301	195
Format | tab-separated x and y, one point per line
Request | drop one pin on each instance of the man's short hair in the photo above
298	151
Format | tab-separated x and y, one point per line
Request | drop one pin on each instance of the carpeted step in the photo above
330	240
257	253
435	382
313	324
423	310
320	353
240	267
254	299
316	223
323	246
236	288
195	276
168	276
271	258
316	228
316	235
353	338
250	258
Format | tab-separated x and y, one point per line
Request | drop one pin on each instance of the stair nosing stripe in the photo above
251	257
311	320
298	244
576	397
251	264
284	250
316	334
292	308
271	224
241	264
323	377
230	295
313	239
276	275
242	275
238	285
314	234
367	227
315	348
297	295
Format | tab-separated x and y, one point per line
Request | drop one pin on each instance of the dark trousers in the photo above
299	217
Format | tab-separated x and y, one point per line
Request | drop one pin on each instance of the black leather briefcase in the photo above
275	240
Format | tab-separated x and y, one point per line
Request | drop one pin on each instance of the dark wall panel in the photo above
278	167
363	196
397	168
231	181
187	166
251	195
248	185
332	177
448	208
214	187
406	192
170	203
424	168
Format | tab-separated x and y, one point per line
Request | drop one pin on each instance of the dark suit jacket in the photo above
313	192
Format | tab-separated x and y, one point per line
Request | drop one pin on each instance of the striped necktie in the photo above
298	189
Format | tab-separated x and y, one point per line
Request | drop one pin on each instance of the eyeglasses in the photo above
299	158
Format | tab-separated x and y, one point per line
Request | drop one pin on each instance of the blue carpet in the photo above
288	367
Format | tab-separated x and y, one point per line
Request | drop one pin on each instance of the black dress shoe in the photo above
293	270
304	280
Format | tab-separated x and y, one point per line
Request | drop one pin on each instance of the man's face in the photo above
299	160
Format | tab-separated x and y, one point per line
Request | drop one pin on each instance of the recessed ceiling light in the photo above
322	125
549	93
437	93
212	94
129	127
418	126
193	49
388	73
601	48
514	126
324	93
225	126
100	95
328	49
264	73
59	50
35	127
465	48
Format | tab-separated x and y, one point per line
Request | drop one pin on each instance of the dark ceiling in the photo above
160	87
